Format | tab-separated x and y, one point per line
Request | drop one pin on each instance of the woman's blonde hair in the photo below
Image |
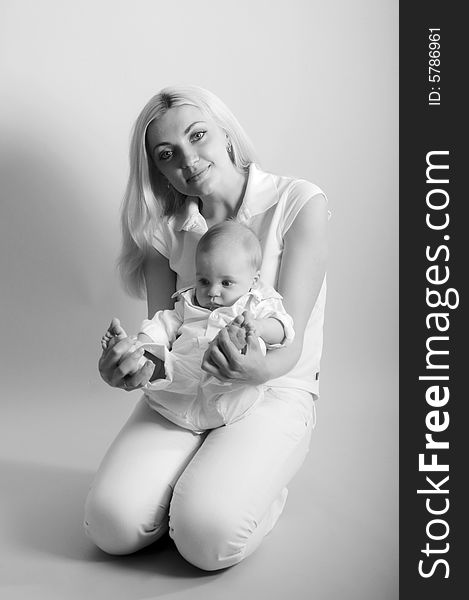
147	197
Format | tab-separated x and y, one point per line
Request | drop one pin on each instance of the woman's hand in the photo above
118	367
224	361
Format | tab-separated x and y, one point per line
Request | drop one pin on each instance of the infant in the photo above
228	291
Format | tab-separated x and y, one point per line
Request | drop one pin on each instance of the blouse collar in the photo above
260	194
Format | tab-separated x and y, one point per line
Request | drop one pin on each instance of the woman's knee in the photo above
208	534
120	525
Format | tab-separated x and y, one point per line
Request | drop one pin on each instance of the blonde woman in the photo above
217	492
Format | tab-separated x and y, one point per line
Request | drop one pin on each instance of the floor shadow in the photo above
44	508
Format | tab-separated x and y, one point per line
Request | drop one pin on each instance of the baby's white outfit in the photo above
187	395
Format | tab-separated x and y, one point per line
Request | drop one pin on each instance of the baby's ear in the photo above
255	279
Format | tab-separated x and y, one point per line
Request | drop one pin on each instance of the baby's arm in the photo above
270	322
164	327
270	329
157	334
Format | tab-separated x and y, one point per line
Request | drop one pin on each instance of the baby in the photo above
228	290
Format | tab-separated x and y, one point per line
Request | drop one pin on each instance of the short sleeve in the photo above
299	192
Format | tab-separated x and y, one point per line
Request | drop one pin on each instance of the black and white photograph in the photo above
200	300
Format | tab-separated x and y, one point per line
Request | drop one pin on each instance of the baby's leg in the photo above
114	330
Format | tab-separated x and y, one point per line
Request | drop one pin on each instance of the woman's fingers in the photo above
140	378
111	356
215	363
119	365
228	349
115	350
238	320
128	365
222	358
252	341
249	322
222	361
212	370
216	359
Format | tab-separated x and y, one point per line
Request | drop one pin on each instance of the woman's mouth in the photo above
198	176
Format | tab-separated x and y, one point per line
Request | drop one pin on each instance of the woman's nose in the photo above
189	157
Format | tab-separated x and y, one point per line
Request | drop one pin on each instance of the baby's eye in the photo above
165	155
203	282
226	283
198	135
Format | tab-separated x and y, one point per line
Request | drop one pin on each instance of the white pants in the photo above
224	489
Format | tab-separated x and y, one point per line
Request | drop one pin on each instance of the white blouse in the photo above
270	205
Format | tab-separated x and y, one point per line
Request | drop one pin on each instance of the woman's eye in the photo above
198	135
165	155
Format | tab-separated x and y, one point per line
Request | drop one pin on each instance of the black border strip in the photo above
425	128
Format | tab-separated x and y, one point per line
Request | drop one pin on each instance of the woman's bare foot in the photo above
115	330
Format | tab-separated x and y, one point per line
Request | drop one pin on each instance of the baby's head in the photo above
227	260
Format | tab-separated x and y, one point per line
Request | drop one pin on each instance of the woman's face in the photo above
190	150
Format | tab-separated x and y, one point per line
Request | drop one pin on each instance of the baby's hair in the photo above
234	234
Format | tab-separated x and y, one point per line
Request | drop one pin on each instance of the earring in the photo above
169	187
229	147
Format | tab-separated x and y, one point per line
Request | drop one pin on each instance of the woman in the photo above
192	166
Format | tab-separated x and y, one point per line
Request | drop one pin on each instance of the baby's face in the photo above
223	276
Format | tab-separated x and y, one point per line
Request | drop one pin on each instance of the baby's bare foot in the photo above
237	335
115	330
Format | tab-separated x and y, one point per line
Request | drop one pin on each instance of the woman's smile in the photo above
199	175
